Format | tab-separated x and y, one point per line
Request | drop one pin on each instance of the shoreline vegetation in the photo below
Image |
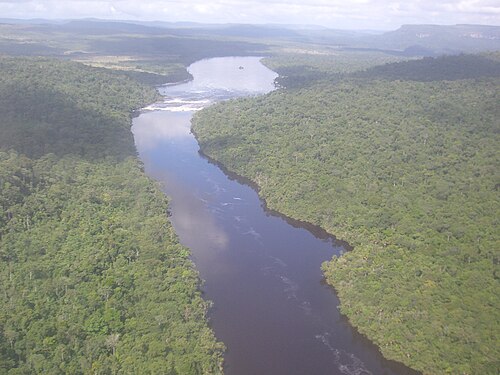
317	230
92	277
400	163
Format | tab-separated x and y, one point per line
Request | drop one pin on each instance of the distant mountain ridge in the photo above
442	39
408	40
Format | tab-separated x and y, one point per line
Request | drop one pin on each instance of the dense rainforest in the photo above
92	277
402	162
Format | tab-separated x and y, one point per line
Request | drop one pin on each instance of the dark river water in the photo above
262	272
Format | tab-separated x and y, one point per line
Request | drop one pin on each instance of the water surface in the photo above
271	307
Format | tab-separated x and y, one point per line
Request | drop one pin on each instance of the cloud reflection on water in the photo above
151	130
190	216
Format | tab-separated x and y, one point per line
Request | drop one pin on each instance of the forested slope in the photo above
92	277
407	170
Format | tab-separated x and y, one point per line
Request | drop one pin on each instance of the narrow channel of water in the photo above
271	307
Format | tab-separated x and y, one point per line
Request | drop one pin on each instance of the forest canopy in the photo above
402	161
93	279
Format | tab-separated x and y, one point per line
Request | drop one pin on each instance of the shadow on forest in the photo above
38	121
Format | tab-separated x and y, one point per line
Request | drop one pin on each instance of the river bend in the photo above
262	272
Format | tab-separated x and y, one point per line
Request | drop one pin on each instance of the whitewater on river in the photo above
271	307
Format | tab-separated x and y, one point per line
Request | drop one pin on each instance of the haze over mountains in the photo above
408	40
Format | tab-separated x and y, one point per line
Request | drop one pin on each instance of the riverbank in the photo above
316	230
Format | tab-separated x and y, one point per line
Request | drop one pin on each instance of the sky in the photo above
336	14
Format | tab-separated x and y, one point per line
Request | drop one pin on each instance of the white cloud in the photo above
361	14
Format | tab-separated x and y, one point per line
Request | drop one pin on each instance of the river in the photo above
271	307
